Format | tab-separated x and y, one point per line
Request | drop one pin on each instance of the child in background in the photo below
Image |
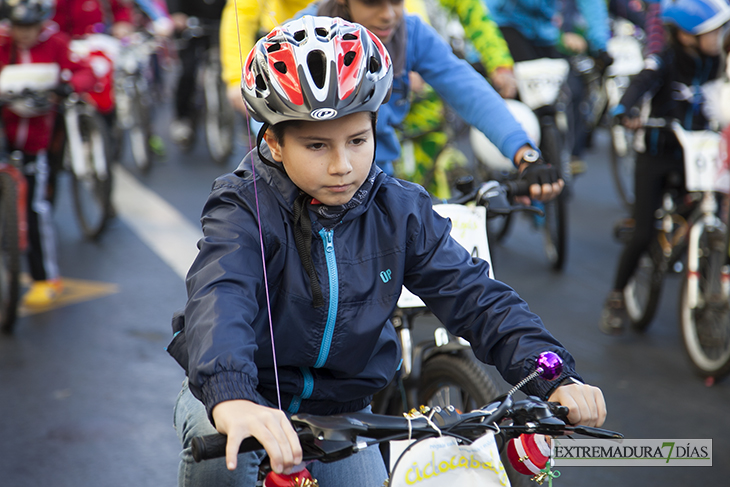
674	79
28	37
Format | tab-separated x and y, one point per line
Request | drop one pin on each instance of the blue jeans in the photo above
364	469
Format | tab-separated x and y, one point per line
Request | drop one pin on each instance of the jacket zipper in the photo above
329	329
307	389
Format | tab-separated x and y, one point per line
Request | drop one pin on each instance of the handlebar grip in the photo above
214	446
518	187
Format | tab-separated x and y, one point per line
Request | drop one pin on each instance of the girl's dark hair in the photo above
280	128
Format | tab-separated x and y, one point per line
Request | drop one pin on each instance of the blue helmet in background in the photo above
696	16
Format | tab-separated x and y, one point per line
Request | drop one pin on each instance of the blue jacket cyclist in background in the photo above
331	224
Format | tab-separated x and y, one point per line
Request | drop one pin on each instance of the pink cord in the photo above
258	218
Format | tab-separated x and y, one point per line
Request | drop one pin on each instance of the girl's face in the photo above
709	43
328	160
25	36
380	17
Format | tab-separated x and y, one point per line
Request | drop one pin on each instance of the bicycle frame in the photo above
21	185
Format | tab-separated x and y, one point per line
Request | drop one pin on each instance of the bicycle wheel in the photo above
642	292
555	228
91	176
622	163
9	254
461	381
219	115
706	327
141	131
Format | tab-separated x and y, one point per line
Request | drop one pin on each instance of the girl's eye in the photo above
316	146
359	141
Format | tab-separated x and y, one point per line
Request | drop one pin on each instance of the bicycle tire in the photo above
644	288
622	164
466	373
92	190
555	228
706	329
219	115
140	132
9	254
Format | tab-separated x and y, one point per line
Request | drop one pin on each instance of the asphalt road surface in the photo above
87	390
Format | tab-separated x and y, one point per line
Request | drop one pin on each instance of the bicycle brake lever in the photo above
595	432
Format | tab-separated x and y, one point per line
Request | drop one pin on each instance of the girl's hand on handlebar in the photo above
544	181
585	403
240	419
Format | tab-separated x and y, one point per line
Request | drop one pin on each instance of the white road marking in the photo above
157	223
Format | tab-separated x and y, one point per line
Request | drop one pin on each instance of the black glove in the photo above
539	172
603	60
63	90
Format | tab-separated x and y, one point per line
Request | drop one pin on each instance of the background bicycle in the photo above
211	103
692	238
134	91
542	88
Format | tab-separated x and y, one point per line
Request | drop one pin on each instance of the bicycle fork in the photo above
76	144
708	220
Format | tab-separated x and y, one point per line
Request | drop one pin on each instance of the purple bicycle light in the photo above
549	365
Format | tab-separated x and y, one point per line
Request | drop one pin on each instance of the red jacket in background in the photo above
80	17
32	134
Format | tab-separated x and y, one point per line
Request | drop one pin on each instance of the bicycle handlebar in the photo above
331	438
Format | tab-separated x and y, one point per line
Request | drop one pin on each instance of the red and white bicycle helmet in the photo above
316	68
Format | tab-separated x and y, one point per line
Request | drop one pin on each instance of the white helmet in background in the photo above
488	154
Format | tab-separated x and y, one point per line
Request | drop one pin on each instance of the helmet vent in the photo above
260	83
273	47
374	65
299	35
280	67
316	64
349	58
321	31
349	37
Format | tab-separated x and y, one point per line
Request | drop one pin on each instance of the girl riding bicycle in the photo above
306	328
674	79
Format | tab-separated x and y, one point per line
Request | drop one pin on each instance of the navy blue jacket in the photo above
334	358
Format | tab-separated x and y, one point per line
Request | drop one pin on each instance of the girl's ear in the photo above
274	145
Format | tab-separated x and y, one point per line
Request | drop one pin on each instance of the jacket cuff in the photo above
228	386
543	388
